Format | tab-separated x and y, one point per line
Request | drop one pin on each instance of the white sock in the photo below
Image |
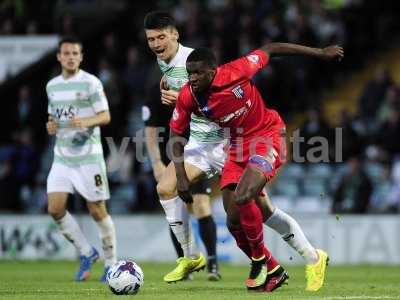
177	216
291	233
108	240
73	233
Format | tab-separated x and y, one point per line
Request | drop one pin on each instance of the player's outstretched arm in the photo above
100	119
327	53
176	142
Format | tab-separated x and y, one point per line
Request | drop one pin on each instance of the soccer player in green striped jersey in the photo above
77	106
204	154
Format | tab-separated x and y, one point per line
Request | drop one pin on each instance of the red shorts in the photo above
254	152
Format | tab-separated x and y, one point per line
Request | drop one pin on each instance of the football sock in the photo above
208	234
271	262
243	244
108	240
73	233
178	219
241	240
251	221
177	246
291	233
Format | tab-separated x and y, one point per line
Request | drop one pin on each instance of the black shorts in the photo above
202	187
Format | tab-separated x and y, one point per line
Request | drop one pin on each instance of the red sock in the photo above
252	225
272	263
241	241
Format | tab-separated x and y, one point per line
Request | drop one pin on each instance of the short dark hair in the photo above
203	54
71	40
158	20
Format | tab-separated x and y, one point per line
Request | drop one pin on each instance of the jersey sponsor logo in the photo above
66	112
77	145
236	114
233	115
175	115
238	92
254	58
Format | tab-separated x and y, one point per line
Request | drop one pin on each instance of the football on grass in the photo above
125	277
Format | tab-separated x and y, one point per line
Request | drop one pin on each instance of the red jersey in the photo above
232	101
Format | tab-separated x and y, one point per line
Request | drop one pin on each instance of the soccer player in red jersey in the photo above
227	96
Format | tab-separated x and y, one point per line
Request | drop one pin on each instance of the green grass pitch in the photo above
53	280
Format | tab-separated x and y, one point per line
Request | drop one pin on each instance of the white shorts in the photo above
90	181
208	157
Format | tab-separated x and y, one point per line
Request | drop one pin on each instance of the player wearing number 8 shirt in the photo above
77	106
227	96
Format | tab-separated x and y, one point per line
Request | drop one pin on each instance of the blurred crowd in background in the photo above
115	50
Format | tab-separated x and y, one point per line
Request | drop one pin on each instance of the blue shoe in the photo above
104	277
86	263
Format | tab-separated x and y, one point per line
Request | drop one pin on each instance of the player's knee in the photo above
245	196
97	211
201	206
56	212
166	190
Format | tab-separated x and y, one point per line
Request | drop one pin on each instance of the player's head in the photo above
201	66
70	54
162	35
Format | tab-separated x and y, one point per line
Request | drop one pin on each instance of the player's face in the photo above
70	57
200	75
163	42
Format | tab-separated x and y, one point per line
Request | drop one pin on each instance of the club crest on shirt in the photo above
254	58
81	96
238	92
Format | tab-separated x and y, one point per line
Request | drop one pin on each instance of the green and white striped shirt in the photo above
201	129
79	96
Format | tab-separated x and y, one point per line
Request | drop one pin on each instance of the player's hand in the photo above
182	187
51	126
158	169
163	83
79	123
332	52
169	97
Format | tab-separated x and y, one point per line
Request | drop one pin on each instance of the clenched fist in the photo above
332	52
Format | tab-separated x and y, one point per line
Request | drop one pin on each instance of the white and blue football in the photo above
125	277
